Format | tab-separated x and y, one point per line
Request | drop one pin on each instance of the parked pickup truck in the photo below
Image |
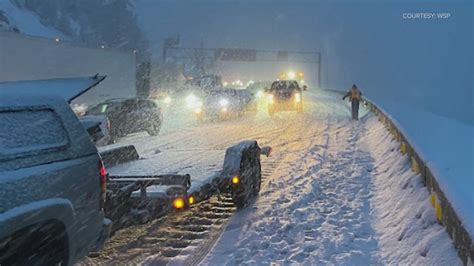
52	179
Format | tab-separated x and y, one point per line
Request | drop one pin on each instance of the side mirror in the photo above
305	87
266	89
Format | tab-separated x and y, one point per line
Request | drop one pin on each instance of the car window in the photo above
101	108
30	131
280	85
293	85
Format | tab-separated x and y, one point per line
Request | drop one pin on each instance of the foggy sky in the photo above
368	43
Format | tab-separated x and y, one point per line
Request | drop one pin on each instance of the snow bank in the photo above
404	220
447	147
347	197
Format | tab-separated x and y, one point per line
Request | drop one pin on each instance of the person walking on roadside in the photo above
355	96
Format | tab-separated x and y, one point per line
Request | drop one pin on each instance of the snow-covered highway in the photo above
335	191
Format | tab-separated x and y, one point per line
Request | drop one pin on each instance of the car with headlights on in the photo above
285	95
224	103
129	116
257	89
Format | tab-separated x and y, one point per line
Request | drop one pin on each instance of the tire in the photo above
155	130
37	245
243	193
258	178
240	202
250	181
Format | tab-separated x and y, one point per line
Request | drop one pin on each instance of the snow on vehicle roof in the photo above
284	84
66	88
10	99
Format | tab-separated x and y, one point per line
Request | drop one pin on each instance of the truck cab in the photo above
52	183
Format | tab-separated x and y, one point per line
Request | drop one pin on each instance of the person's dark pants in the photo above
355	110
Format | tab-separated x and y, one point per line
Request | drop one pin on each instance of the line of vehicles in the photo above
205	98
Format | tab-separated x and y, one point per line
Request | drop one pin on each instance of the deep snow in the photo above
341	192
348	198
447	146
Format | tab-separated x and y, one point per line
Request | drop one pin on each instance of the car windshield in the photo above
236	132
284	85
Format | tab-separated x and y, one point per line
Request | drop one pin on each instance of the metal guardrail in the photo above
445	213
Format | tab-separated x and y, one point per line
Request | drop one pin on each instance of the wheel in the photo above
242	194
154	130
250	179
258	177
36	245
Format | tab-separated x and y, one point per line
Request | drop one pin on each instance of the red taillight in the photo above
102	170
103	183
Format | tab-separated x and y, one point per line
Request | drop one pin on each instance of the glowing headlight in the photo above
259	94
291	75
270	98
193	102
297	97
167	100
224	102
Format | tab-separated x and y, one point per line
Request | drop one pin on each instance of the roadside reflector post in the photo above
433	199
414	165
439	213
403	148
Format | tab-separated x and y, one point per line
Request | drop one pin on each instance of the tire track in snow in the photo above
314	211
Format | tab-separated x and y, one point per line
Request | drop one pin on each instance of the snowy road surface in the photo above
337	192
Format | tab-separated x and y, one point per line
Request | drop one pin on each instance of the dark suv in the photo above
285	95
128	116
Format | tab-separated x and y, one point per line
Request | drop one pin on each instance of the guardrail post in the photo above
403	148
414	165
